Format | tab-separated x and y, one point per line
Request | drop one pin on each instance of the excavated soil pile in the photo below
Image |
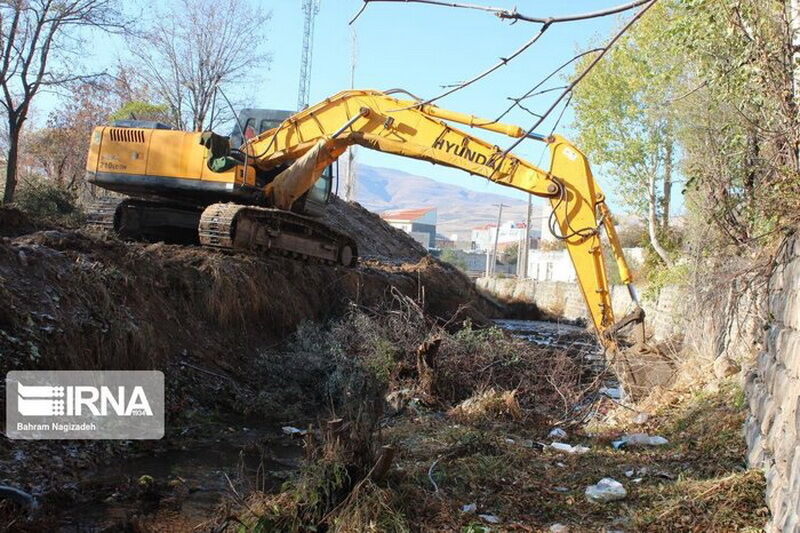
14	222
71	299
376	239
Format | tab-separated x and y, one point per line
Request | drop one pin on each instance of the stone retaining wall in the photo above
773	390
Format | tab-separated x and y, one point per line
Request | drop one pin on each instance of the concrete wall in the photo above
773	389
664	314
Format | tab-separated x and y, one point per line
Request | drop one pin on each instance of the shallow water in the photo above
193	480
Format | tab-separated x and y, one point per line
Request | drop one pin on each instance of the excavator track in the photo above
100	213
146	220
264	230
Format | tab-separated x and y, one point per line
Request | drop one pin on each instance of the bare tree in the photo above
214	43
36	37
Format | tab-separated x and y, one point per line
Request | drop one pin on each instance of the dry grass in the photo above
488	404
698	482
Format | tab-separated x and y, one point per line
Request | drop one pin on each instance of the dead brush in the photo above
488	404
336	488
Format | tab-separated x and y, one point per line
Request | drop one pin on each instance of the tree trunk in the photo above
652	220
11	163
667	186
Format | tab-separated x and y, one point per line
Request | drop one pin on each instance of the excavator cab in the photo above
256	121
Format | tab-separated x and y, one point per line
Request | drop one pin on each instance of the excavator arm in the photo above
313	138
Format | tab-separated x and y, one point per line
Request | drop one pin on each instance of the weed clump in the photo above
47	202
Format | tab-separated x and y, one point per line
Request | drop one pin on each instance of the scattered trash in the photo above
561	465
291	430
568	448
469	508
490	518
641	418
557	433
559	528
561	489
639	439
509	441
606	490
630	473
612	392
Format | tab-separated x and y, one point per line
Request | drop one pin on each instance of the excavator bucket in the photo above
639	364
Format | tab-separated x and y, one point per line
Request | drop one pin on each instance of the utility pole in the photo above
493	261
310	10
522	254
350	155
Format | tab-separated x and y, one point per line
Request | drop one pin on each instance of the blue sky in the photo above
416	47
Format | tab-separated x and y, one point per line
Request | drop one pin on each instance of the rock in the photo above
564	447
489	518
725	367
606	490
641	418
559	528
557	433
469	508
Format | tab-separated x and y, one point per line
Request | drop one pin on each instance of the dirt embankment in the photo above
70	299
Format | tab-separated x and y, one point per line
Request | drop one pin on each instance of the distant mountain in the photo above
459	209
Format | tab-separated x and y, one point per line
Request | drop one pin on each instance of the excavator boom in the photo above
318	135
186	181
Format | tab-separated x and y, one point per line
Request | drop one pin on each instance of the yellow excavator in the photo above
262	193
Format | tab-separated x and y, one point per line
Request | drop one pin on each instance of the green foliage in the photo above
511	253
623	124
658	275
451	256
141	111
48	202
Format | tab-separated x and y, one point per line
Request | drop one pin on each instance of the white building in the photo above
510	233
557	265
419	223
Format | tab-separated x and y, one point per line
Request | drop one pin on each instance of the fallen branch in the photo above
430	474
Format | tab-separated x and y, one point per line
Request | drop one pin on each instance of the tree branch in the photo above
584	73
513	14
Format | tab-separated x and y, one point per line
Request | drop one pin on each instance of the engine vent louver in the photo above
127	135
